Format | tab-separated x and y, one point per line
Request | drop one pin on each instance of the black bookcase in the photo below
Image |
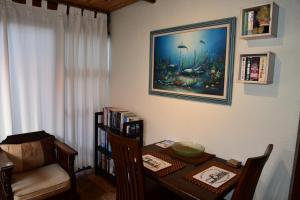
104	165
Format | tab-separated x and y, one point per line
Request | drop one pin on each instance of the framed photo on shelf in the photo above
194	61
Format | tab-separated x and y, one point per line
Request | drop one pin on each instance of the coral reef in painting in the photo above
191	61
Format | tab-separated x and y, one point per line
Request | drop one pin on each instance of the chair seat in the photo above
40	183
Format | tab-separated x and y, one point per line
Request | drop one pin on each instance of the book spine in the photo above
121	122
262	69
112	167
103	161
118	121
243	68
250	22
105	116
109	118
113	120
247	76
245	24
99	137
254	69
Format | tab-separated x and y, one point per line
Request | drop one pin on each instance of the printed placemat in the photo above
214	176
191	160
175	164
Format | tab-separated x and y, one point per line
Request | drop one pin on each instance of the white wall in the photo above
259	114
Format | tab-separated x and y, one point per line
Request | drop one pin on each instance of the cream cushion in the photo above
40	183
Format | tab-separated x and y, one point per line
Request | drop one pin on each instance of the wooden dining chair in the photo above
249	177
130	181
127	156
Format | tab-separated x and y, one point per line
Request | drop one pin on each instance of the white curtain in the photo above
53	73
86	77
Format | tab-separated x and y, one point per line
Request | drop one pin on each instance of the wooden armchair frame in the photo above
65	157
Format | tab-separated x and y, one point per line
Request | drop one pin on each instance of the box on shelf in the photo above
260	21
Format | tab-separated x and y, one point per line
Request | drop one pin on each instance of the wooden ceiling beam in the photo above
52	4
150	1
77	5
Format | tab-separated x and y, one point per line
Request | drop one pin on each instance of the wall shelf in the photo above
256	68
260	21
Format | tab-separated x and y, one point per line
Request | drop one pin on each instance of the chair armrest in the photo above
5	163
65	156
65	148
6	167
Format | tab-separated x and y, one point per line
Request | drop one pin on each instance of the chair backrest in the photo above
127	156
27	137
246	186
29	151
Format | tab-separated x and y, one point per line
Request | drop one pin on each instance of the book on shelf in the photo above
113	117
243	68
111	169
254	68
116	117
103	161
262	69
103	138
245	23
124	118
256	20
105	115
250	21
134	128
248	66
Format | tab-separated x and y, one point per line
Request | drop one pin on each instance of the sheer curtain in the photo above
53	73
86	78
32	65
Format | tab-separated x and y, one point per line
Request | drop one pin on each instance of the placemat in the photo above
191	160
224	187
176	164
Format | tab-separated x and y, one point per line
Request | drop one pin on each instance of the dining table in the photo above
178	183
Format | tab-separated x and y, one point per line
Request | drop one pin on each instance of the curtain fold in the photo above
54	73
5	106
86	60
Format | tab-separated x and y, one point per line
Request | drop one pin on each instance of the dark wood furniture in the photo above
64	156
131	183
127	157
247	183
104	6
295	180
103	155
183	188
187	190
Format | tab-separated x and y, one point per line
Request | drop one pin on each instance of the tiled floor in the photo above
91	187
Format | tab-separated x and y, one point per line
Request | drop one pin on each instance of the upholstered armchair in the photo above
36	166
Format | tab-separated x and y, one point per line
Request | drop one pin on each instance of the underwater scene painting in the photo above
191	62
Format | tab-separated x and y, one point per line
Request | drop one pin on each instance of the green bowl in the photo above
188	149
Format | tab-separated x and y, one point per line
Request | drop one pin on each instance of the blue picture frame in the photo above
194	61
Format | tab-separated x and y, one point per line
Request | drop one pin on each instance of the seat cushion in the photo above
40	183
30	155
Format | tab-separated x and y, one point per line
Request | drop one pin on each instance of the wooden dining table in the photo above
175	182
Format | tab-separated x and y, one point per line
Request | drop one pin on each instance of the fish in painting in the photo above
191	61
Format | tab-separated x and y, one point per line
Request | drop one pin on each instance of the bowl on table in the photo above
187	149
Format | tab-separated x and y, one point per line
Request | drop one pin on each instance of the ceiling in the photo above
106	6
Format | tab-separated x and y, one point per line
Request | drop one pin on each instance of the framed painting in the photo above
194	61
